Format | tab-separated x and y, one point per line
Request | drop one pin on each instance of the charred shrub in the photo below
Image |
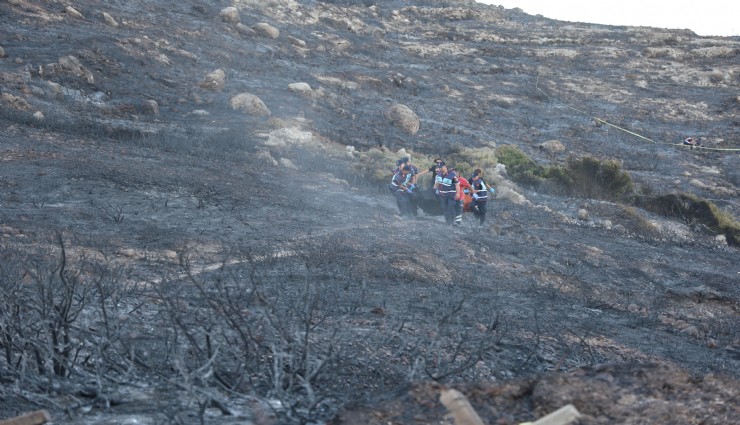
694	210
592	178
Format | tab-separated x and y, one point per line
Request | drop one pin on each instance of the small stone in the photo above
109	20
73	12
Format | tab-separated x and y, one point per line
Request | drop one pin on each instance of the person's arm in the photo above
458	191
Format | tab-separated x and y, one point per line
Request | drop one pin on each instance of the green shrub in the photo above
586	176
518	165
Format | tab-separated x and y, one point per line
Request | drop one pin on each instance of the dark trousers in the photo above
403	201
414	202
449	207
459	205
479	209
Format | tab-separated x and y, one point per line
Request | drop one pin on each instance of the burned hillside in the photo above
196	226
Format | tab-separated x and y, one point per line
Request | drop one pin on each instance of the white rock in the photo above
74	13
230	15
267	30
72	64
302	89
297	42
250	104
215	81
109	20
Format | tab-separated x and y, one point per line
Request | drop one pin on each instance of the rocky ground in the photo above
186	237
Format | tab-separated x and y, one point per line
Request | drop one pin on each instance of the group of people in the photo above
451	190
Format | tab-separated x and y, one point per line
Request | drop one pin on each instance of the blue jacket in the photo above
447	182
482	189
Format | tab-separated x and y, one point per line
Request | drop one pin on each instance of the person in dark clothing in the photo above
401	191
433	170
447	186
480	195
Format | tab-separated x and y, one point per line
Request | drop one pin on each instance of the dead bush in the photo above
693	210
597	179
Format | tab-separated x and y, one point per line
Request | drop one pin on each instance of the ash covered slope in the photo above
147	129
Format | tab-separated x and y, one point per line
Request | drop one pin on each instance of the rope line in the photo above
628	131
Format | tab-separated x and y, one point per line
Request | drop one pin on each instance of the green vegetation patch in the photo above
588	177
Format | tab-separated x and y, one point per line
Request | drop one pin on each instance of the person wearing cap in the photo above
447	186
480	195
399	164
410	182
433	170
401	191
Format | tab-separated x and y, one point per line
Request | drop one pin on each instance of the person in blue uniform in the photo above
399	186
480	195
447	186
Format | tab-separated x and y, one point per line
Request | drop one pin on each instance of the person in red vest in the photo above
465	189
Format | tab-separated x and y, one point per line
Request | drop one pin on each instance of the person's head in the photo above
406	169
441	167
477	173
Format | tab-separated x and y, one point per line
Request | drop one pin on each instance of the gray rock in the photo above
250	104
230	15
403	117
267	30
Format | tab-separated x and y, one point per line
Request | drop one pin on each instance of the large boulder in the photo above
250	104
553	147
150	107
403	117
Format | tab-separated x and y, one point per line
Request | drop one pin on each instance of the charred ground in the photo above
180	261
